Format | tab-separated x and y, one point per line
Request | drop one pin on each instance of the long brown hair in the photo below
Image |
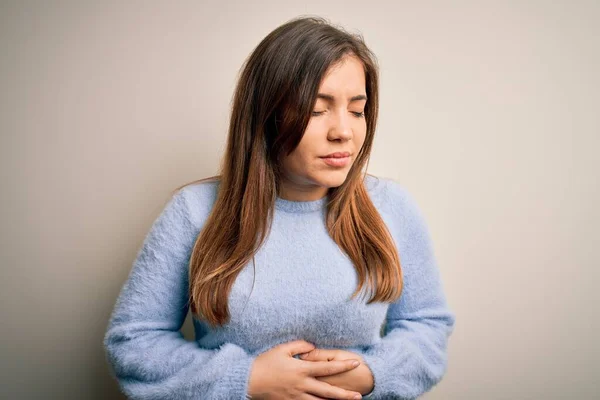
275	94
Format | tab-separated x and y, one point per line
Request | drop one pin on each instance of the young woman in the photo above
294	262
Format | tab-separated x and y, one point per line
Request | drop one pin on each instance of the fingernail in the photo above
356	364
357	397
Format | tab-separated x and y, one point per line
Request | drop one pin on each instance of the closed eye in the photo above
355	113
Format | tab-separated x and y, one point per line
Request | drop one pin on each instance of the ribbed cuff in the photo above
237	379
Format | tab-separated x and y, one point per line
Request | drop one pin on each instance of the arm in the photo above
148	354
411	357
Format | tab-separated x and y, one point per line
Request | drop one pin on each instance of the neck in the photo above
295	192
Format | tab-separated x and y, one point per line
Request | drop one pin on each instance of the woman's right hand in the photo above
277	375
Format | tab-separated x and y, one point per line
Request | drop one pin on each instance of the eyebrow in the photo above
330	98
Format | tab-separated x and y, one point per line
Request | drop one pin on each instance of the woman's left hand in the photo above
359	379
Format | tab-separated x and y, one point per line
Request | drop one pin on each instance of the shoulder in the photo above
198	198
388	194
398	206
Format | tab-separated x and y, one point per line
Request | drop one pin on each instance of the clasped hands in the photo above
317	374
359	379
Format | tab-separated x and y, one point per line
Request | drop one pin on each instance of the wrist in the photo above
369	383
256	389
252	389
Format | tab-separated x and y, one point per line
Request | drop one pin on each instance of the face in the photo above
337	125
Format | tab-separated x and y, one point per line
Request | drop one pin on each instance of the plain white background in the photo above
489	116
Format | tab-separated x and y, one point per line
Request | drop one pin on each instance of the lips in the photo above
338	154
337	159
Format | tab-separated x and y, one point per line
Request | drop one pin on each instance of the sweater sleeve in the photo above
145	349
411	356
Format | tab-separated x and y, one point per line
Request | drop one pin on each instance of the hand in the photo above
276	374
359	379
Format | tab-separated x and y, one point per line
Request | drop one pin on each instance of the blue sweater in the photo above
302	288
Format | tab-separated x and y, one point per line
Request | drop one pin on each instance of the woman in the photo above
272	254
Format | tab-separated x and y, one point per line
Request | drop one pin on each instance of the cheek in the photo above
309	147
297	163
315	133
360	134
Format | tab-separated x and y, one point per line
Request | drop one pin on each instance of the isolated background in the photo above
489	117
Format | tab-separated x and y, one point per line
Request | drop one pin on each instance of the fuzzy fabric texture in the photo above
302	288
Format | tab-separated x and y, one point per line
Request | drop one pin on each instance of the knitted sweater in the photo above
302	288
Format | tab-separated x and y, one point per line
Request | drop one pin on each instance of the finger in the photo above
296	347
328	391
308	396
318	355
324	368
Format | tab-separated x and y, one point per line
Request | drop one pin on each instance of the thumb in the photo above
297	346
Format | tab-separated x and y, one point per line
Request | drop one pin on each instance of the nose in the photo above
341	127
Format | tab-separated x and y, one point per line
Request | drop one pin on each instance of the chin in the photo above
332	179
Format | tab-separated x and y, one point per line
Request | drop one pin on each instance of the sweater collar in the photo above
293	206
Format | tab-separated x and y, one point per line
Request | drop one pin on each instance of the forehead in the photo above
346	76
